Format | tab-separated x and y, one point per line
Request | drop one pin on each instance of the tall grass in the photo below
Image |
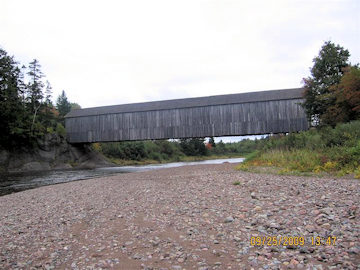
334	150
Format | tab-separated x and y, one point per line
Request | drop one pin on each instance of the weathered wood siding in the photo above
274	116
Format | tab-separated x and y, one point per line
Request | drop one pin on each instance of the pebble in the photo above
174	218
310	228
229	219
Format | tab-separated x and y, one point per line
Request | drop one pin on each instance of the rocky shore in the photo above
51	152
193	217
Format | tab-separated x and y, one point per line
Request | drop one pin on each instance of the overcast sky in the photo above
116	52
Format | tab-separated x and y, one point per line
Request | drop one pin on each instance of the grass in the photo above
128	162
323	152
299	162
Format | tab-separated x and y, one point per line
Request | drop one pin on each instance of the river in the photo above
16	182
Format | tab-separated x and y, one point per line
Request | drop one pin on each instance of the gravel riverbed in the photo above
191	217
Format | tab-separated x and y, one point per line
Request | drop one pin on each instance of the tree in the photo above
193	147
212	142
25	110
75	106
327	71
22	87
35	89
63	105
220	148
48	114
12	111
347	98
350	85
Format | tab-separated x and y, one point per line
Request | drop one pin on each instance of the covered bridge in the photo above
265	112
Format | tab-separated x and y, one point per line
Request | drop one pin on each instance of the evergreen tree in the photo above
63	106
12	112
25	110
22	85
35	90
327	71
48	106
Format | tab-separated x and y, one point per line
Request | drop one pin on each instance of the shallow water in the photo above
15	182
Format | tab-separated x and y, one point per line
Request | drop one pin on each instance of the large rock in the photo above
61	166
4	155
20	157
36	166
86	157
47	156
53	152
48	142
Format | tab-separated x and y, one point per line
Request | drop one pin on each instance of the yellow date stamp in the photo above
291	241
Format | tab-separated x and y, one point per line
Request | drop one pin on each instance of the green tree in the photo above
124	150
63	106
327	71
25	110
193	147
35	90
12	112
220	148
75	106
22	87
48	115
167	149
347	99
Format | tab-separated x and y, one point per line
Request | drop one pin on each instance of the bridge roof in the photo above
284	94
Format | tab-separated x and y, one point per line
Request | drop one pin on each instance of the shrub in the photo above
60	130
194	147
323	150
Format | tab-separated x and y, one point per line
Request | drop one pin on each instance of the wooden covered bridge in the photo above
265	112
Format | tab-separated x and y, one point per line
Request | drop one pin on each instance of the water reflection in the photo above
16	182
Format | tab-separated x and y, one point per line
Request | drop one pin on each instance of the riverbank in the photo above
192	217
52	152
131	162
17	182
325	151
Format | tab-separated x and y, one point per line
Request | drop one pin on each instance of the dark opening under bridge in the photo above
265	112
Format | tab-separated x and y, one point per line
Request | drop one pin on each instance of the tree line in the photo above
26	109
175	150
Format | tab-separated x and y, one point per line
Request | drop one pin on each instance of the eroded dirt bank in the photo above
191	217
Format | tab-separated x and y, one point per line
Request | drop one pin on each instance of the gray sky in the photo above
116	52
